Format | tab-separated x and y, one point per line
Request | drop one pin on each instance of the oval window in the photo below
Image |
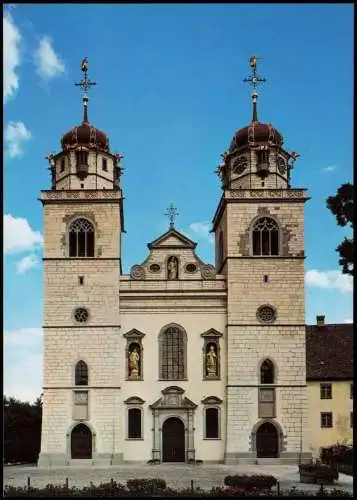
191	268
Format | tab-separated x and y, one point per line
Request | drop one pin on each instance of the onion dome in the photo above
85	134
256	133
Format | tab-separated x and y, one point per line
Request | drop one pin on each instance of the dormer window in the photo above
82	164
105	164
263	162
82	158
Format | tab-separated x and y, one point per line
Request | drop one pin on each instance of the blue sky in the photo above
170	96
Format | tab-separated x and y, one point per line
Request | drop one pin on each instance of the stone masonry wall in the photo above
65	341
104	179
99	293
249	341
104	216
284	289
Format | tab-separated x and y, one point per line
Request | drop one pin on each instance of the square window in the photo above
326	420
81	280
325	391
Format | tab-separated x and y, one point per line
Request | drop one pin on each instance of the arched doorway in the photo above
81	442
267	441
173	440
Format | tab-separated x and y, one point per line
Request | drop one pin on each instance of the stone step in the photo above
81	462
268	461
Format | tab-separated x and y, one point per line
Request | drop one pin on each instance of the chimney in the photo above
320	320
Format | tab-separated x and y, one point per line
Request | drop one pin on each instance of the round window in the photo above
191	268
81	315
155	268
266	314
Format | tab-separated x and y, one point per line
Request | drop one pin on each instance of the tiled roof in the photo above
329	352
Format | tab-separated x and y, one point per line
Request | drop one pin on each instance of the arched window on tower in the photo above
267	375
172	355
265	237
81	238
81	373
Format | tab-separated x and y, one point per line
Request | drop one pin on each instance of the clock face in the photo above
282	166
239	165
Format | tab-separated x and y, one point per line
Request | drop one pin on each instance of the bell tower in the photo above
259	234
83	222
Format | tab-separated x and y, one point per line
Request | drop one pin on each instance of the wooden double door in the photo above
267	441
81	442
173	440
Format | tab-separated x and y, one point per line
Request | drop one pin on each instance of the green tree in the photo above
341	206
22	430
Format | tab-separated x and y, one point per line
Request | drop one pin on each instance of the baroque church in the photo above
180	360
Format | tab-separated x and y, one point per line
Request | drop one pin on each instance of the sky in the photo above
170	96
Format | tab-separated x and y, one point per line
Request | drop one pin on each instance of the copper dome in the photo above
256	132
85	135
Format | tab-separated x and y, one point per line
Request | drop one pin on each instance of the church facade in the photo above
180	360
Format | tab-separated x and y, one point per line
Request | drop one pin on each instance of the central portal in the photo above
267	441
173	440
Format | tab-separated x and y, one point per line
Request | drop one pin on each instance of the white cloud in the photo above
330	168
23	360
12	40
27	263
329	279
16	134
18	235
48	64
202	230
349	320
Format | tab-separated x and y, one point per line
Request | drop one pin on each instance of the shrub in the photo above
339	456
146	485
249	482
319	473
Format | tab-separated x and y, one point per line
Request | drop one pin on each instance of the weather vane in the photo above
254	80
85	84
171	213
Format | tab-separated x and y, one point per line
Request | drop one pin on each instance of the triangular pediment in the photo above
133	334
172	239
212	332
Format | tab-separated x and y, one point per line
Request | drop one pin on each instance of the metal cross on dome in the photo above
171	213
85	84
254	80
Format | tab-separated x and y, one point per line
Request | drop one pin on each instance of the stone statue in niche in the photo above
52	168
134	359
211	362
172	268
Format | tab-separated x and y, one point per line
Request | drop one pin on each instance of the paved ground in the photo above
176	476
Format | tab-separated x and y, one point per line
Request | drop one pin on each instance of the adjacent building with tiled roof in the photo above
329	374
